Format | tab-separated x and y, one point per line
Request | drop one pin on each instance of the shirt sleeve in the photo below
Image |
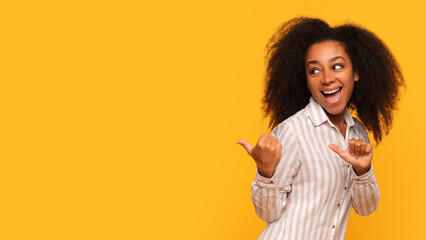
269	195
366	193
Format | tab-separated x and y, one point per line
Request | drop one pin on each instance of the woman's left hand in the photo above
359	154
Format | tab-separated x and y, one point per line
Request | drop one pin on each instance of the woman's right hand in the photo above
266	153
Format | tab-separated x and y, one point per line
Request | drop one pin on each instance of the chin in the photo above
335	110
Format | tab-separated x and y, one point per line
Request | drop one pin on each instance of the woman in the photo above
316	163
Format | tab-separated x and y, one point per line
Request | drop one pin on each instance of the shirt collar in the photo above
317	115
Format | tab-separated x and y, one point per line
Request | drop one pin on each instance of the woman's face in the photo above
330	76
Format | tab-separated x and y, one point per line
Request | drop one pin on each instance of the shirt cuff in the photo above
365	178
264	181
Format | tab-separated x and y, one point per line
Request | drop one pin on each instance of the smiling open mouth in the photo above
332	96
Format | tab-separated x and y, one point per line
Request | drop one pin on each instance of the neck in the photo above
339	122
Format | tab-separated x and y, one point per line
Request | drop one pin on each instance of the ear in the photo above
356	76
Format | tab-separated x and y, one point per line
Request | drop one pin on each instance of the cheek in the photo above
311	88
309	84
350	86
313	84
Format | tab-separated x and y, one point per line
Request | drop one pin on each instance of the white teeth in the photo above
332	91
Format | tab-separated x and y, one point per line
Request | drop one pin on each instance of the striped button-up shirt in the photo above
312	190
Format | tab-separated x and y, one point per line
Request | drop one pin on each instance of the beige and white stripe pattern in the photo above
313	189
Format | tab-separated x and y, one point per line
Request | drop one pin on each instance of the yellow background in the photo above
119	119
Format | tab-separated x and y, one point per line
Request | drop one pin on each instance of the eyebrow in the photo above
331	60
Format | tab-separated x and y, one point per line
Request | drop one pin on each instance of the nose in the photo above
327	77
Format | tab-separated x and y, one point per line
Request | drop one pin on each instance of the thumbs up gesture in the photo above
266	153
359	154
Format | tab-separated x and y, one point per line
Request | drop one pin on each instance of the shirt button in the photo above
334	226
348	166
346	187
338	205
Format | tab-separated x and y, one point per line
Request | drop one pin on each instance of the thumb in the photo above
337	150
246	145
343	154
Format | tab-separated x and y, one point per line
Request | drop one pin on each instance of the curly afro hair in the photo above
375	94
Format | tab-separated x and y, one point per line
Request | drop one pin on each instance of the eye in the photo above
314	71
337	67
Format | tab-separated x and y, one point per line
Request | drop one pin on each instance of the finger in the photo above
369	149
336	149
274	144
351	146
343	154
269	141
246	146
357	148
362	150
279	148
261	142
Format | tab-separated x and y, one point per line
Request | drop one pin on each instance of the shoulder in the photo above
286	127
359	128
